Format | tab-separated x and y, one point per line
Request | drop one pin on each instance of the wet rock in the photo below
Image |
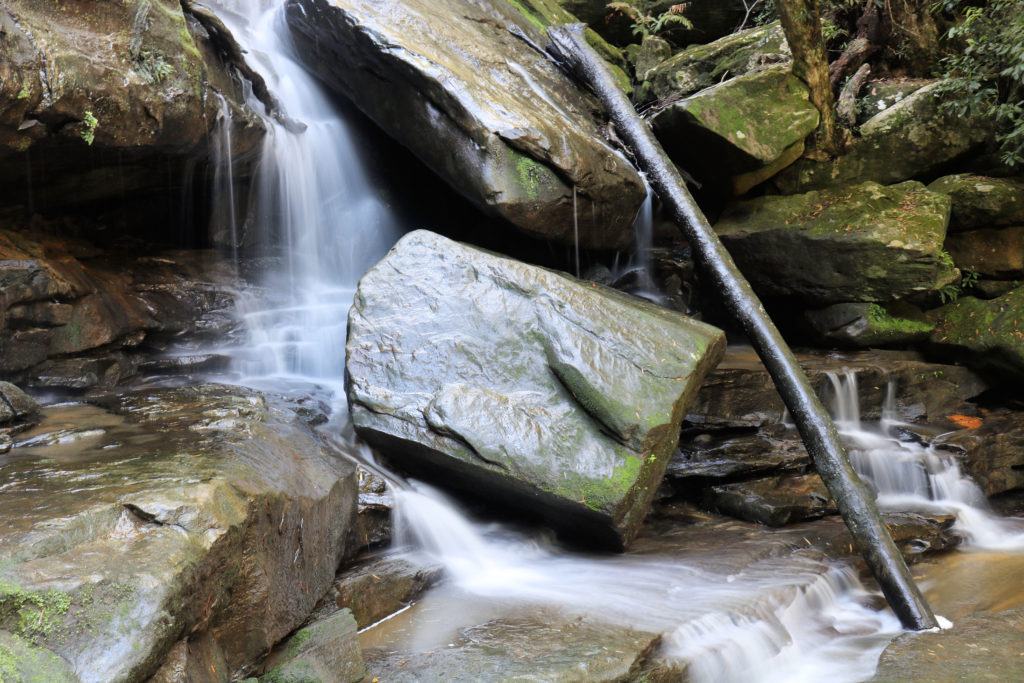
187	513
992	289
992	453
740	393
373	518
775	501
997	254
702	66
745	123
980	647
461	85
980	202
651	52
861	243
869	325
379	587
15	404
913	138
109	100
725	454
984	334
522	384
326	651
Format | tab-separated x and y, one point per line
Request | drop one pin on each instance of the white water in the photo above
910	476
788	618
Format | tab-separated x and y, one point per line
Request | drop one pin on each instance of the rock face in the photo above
109	97
861	325
987	334
980	202
205	513
76	317
991	452
745	123
997	254
862	243
460	84
911	139
521	383
326	651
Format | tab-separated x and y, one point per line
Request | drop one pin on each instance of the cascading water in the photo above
910	476
792	616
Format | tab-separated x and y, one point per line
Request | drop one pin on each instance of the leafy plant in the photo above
646	24
89	123
985	76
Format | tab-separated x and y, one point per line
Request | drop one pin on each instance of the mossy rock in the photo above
326	651
521	384
866	243
863	325
988	335
980	202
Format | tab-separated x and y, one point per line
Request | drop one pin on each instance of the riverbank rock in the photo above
913	138
522	384
111	99
862	243
861	325
326	651
985	334
171	528
997	254
702	66
746	123
461	84
992	453
76	316
980	202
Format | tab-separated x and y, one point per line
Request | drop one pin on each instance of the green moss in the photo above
599	494
31	613
25	92
528	174
881	321
89	124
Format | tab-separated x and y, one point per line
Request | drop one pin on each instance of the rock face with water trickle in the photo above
112	98
862	243
462	85
522	384
169	531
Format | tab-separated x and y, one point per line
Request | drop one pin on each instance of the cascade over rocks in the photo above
173	528
862	243
463	86
110	97
521	383
911	139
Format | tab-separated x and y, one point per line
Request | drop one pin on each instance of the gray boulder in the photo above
861	243
980	202
521	383
461	84
913	138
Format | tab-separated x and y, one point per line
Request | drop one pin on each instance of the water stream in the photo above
749	614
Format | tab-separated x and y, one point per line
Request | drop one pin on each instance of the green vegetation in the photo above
985	68
646	24
89	123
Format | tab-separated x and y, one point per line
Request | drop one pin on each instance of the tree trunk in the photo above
801	22
816	428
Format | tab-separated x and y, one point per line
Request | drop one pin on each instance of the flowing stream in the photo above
749	613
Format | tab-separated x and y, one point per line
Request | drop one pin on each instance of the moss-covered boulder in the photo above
997	254
325	651
522	384
980	202
111	97
208	514
862	243
462	85
914	138
702	66
862	325
743	124
988	334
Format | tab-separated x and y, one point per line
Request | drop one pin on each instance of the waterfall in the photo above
911	476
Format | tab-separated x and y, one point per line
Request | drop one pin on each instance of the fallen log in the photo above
570	50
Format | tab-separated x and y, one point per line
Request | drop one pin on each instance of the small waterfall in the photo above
225	205
910	476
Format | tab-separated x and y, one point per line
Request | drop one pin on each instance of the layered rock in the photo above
862	243
985	334
522	384
207	514
914	138
462	85
110	99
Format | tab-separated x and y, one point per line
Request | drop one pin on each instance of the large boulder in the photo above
744	124
914	138
861	243
204	514
980	202
522	384
986	334
462	85
111	98
995	253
